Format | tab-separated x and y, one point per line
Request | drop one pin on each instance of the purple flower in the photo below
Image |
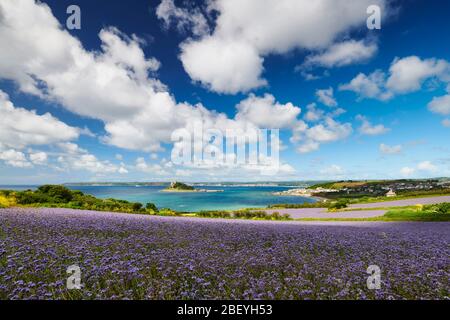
124	256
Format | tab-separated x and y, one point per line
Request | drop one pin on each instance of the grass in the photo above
415	215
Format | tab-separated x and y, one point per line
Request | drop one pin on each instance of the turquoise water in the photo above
233	197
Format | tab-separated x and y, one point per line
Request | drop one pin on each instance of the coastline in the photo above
191	191
299	193
177	190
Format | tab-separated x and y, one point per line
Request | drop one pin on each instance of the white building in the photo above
391	193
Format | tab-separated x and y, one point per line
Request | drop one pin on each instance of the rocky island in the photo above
182	187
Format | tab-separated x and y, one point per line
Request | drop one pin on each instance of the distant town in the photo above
372	188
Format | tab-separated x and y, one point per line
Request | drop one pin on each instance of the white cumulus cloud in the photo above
368	128
408	74
405	75
342	54
183	19
329	130
38	158
15	158
326	96
265	112
245	32
440	105
20	127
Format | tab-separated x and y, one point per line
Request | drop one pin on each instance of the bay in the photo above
232	198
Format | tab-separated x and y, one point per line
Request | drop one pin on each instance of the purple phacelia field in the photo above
124	256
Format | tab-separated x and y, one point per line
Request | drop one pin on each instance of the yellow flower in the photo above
7	202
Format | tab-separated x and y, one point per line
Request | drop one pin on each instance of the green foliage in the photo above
243	214
340	204
57	192
418	193
249	214
441	208
413	215
31	197
167	212
180	186
151	207
319	204
214	214
325	185
60	196
6	193
356	190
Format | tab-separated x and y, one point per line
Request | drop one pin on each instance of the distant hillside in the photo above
401	183
375	188
116	184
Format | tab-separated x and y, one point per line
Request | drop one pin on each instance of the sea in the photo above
231	198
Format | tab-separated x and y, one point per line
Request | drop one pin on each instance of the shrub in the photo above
6	202
214	214
6	193
441	208
340	204
285	216
30	197
167	212
58	192
319	204
60	196
151	206
136	206
249	214
275	216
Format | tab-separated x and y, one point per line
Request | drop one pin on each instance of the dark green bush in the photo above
441	208
6	193
181	186
214	214
60	196
151	206
249	214
57	192
319	204
275	215
340	204
30	197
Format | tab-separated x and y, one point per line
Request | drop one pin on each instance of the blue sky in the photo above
350	103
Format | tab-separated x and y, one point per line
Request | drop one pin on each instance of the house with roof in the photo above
391	193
